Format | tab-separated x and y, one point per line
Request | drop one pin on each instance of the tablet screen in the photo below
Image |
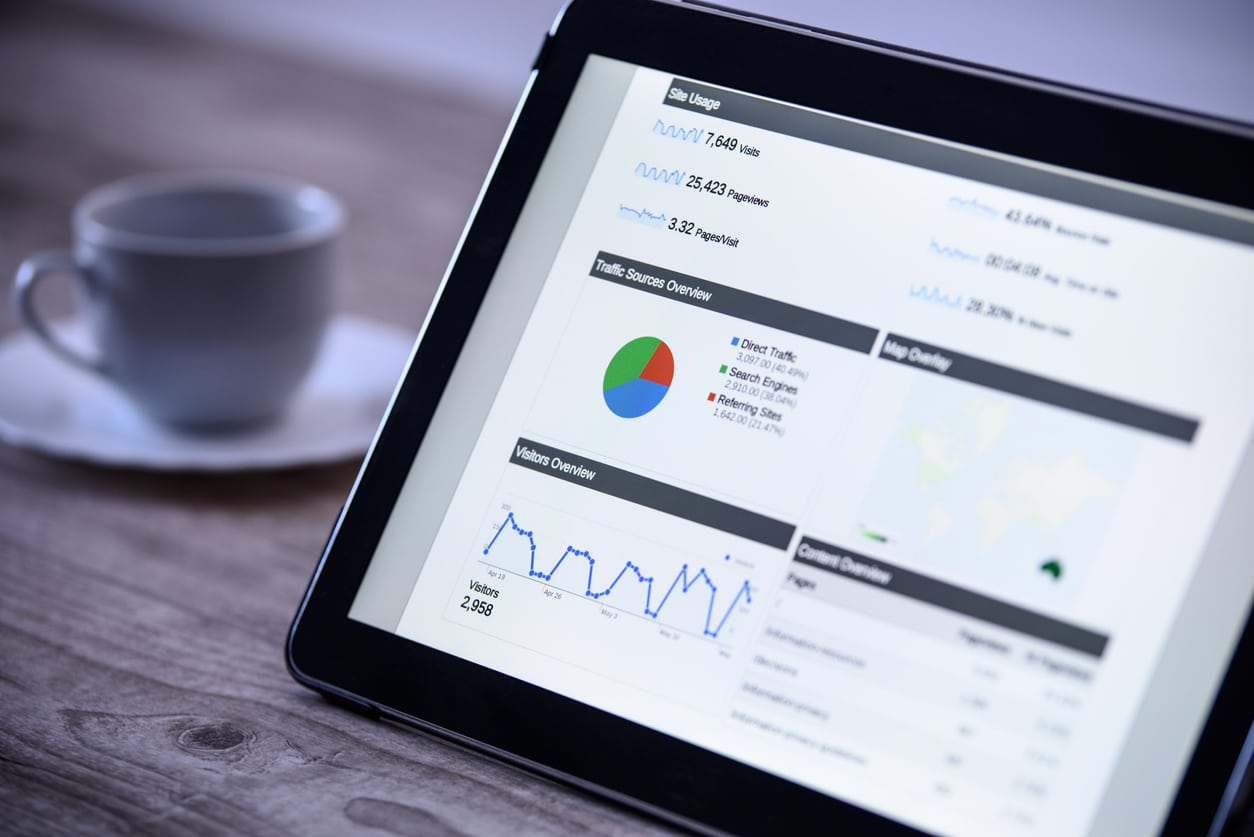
887	465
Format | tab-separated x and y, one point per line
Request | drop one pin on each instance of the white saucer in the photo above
53	408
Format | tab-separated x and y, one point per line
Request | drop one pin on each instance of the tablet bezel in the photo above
385	674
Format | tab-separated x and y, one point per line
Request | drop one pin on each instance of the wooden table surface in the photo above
142	615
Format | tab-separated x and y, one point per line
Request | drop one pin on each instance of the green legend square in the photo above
722	370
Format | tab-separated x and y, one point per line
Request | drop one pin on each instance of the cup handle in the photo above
29	273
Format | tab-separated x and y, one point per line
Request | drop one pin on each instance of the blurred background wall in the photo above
1197	55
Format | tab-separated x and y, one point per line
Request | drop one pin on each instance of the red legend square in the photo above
711	398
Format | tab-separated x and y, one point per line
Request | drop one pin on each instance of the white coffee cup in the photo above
207	293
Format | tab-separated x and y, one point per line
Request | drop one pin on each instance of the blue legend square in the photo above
735	341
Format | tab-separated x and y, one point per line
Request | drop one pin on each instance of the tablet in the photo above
809	431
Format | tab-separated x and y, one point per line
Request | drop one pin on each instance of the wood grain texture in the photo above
142	616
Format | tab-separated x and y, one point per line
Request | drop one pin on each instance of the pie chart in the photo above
638	377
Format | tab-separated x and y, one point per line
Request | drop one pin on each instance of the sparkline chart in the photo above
643	215
658	174
973	207
577	572
935	295
678	132
948	252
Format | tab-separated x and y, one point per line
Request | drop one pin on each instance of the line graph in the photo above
951	252
666	129
641	216
973	206
674	177
686	582
936	295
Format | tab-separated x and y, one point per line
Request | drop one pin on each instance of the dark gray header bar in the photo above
740	304
652	494
919	355
890	145
849	564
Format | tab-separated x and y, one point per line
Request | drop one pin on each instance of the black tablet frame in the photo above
383	674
